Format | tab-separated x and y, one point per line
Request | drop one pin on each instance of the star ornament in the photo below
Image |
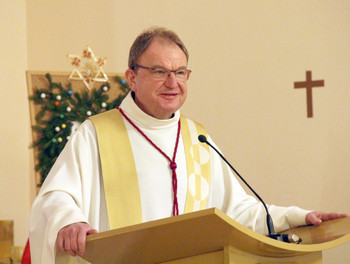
88	68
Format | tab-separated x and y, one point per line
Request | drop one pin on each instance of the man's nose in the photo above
171	80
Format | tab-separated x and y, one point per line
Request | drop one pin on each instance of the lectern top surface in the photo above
203	232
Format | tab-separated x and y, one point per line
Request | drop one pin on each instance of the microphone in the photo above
281	237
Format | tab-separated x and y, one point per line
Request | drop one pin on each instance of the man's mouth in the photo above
169	95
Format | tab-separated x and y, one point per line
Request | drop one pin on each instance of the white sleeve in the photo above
69	194
227	194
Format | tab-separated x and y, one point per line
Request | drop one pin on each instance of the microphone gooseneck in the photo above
269	222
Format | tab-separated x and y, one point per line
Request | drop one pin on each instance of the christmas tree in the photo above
61	111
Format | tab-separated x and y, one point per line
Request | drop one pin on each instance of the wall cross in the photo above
309	84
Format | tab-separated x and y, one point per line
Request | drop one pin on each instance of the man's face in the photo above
159	98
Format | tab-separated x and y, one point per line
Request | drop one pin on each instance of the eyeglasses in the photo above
163	73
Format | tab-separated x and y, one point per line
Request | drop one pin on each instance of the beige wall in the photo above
15	130
245	57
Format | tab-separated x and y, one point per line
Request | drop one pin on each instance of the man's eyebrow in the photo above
158	66
161	66
182	68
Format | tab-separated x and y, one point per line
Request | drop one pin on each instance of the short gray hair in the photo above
142	42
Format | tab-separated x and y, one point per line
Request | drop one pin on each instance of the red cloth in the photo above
26	254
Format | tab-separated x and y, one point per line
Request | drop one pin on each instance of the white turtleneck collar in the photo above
144	120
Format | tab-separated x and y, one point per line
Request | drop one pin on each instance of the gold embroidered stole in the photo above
198	165
119	171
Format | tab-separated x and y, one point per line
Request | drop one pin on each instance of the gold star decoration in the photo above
88	68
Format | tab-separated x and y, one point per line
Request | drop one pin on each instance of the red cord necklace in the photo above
173	165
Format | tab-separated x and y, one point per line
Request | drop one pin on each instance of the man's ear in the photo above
130	78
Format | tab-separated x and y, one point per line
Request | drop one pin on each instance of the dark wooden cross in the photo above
309	84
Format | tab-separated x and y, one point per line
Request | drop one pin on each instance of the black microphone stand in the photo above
280	237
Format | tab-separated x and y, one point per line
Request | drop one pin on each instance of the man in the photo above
150	153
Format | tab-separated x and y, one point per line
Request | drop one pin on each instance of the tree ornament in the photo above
58	98
104	105
60	140
61	116
56	103
57	129
75	126
43	95
54	140
88	113
105	88
70	92
68	109
88	68
64	126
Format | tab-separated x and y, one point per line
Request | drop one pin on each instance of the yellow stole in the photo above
119	171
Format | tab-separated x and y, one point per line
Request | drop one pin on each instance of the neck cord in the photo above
172	164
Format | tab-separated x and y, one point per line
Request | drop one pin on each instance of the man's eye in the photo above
159	71
181	72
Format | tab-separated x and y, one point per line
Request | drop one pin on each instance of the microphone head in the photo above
202	138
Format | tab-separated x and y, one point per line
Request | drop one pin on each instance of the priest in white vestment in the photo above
73	201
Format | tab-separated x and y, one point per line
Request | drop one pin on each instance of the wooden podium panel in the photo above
210	233
6	241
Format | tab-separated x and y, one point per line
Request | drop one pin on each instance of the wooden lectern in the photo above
210	236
